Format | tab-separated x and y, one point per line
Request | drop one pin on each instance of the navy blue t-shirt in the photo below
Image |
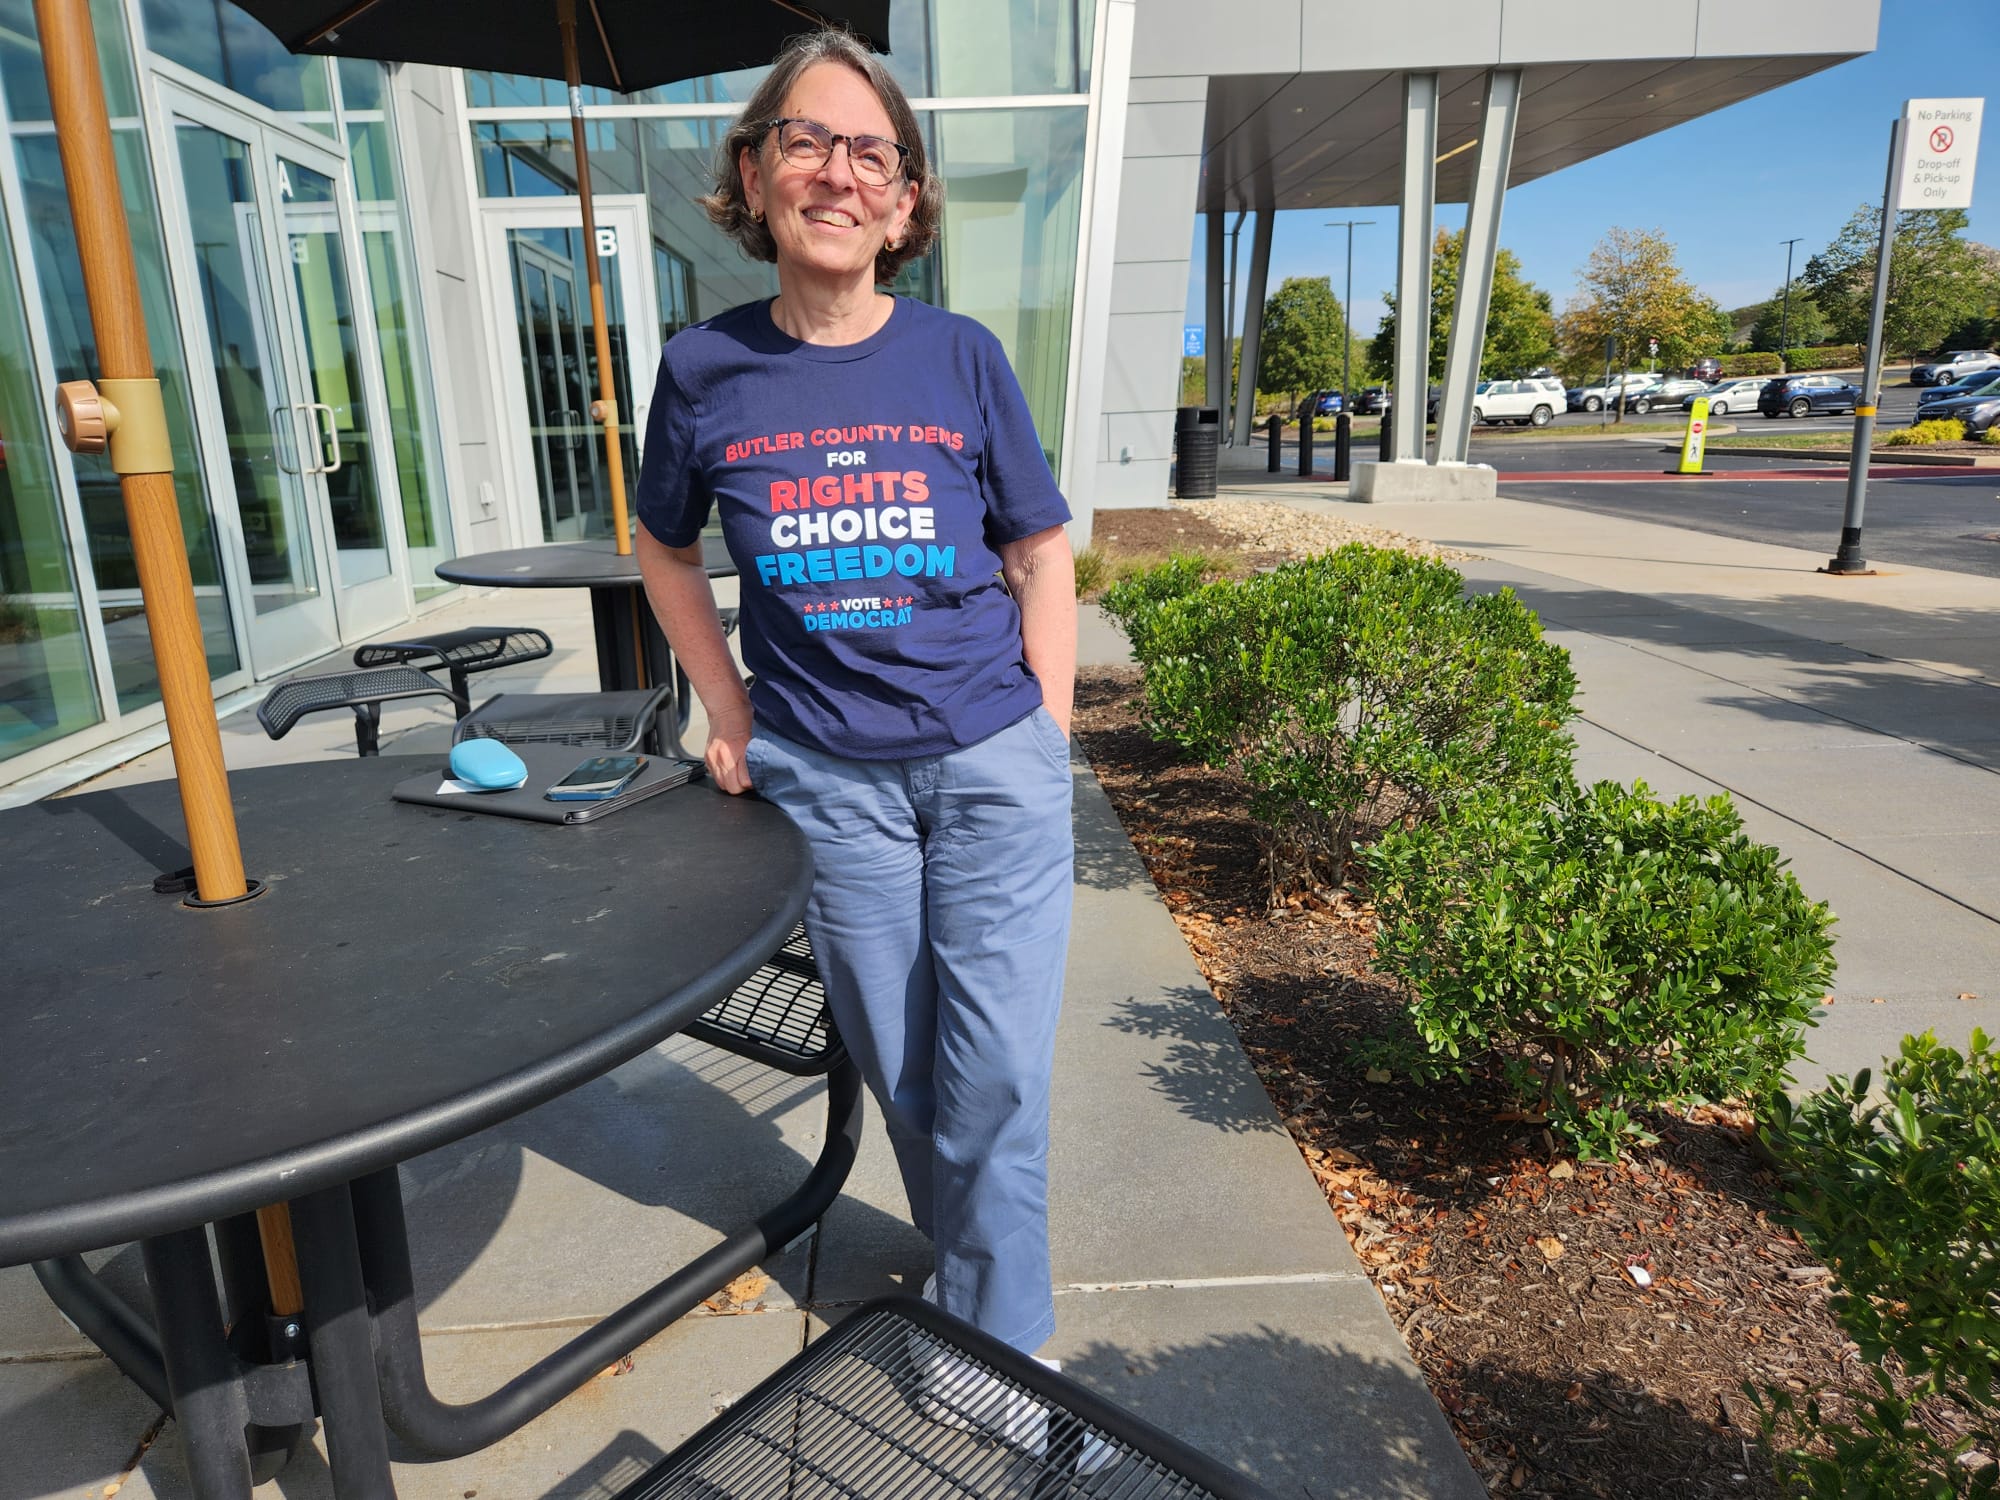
863	490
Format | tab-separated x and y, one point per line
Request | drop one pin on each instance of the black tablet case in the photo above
547	764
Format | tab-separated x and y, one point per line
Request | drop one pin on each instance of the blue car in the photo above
1973	385
1327	404
1803	395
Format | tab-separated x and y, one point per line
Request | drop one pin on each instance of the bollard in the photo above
1306	443
1276	425
1386	446
1343	446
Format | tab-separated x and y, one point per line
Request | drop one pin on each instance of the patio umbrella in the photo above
627	45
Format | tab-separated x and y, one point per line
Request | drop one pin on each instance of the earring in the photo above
894	244
757	215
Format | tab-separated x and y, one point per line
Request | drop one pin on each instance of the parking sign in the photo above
1191	341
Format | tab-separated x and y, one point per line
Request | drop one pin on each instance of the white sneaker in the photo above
960	1395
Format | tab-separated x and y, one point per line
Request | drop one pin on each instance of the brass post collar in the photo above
128	417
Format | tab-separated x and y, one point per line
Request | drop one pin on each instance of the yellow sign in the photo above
1697	436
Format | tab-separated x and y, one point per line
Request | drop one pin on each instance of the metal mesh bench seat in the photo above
461	652
609	721
778	1015
363	691
858	1413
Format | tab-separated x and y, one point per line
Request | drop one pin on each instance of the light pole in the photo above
1785	308
1346	328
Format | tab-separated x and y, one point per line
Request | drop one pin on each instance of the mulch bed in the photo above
1586	1327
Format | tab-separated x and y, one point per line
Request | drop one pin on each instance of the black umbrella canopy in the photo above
621	44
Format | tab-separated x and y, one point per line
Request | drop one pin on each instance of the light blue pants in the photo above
940	919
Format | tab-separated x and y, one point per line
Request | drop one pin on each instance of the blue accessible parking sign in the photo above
1191	344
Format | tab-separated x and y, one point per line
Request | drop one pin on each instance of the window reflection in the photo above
46	688
222	43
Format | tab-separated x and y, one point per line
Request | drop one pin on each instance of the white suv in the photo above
1528	403
1955	366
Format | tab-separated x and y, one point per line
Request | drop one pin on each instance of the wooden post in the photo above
605	408
145	465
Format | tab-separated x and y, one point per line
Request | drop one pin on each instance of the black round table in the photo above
408	976
631	651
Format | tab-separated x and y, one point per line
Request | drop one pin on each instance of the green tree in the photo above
1630	291
1303	336
1778	327
1936	279
1520	320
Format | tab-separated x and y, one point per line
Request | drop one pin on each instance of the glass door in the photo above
551	378
268	244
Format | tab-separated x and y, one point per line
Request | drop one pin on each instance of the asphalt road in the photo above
1933	518
1899	404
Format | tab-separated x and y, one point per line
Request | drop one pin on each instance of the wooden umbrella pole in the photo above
605	408
130	418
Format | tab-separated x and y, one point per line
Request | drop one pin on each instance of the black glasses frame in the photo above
833	139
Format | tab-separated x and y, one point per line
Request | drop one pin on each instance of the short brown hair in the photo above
729	209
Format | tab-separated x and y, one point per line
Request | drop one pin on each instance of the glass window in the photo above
1013	203
222	43
676	157
46	689
73	352
997	47
537	158
27	87
385	244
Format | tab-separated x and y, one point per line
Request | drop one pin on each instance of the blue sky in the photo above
1726	188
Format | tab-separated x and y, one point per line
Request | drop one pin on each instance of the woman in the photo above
908	615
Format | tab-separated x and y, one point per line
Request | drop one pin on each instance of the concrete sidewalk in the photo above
1201	1279
1856	722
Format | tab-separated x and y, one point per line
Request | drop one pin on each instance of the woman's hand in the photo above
728	738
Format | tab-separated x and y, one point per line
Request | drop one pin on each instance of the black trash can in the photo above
1197	436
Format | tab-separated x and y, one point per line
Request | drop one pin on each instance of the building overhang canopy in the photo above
1330	140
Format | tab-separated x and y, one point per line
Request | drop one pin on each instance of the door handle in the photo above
283	417
329	439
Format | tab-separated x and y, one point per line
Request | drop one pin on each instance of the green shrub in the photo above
1356	685
1093	571
1824	357
1612	950
1136	598
1923	434
1751	364
1900	1197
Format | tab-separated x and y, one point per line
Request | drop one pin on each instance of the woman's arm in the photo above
1041	575
677	585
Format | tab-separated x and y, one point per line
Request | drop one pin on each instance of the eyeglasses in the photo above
809	144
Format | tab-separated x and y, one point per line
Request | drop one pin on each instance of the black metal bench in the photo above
778	1015
858	1413
611	721
460	652
363	691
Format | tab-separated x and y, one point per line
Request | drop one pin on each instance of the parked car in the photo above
1981	419
1741	394
1527	403
1327	404
1372	402
1597	397
1960	409
1954	366
1985	380
1709	369
1666	393
1802	395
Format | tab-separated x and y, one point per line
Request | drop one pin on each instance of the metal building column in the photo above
1475	270
1413	267
1253	324
1212	331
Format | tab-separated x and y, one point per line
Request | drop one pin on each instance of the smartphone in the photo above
597	778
